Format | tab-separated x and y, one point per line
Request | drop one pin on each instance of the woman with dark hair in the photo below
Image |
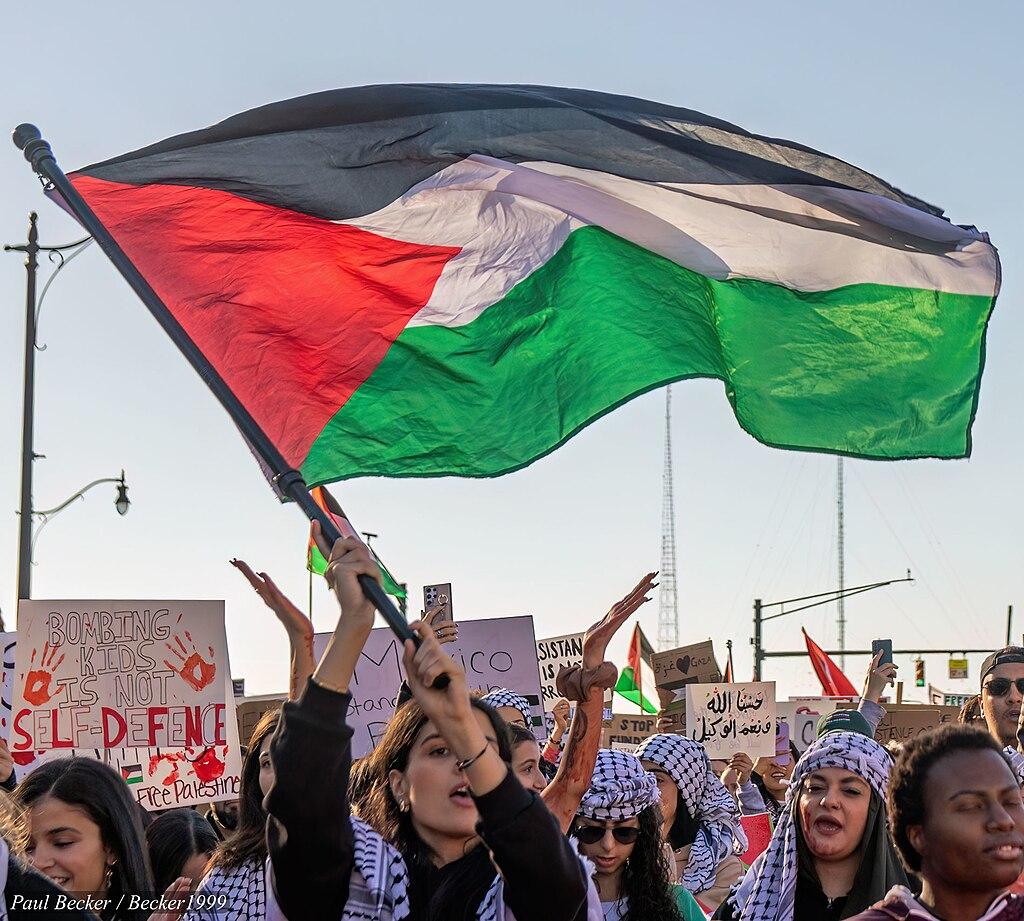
181	843
85	833
618	826
236	870
830	855
701	818
526	758
438	782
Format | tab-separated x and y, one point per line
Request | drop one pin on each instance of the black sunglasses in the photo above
591	834
1000	687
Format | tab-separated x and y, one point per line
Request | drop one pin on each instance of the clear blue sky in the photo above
925	94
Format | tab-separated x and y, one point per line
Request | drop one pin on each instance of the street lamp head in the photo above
121	503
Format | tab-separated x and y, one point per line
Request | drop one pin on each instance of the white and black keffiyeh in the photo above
711	805
235	894
768	891
619	789
506	698
1016	760
378	886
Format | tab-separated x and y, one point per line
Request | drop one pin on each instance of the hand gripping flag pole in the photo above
289	481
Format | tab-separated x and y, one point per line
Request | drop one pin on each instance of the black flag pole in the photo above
28	139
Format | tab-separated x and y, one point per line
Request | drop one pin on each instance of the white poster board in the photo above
731	718
500	652
552	655
143	685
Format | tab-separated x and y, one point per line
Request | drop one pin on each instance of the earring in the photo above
403	805
108	877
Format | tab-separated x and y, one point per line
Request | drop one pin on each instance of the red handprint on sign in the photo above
38	690
195	671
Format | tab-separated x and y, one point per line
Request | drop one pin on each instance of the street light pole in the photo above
31	249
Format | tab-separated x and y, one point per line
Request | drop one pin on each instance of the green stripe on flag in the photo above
316	563
627	689
866	369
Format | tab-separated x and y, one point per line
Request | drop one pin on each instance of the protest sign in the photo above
955	700
552	655
758	829
802	722
695	664
627	731
249	710
141	685
731	718
903	722
497	653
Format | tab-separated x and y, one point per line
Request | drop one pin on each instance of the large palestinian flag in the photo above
424	280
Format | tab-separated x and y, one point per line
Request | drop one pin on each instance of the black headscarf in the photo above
880	869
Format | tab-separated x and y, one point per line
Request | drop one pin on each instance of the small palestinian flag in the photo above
429	280
132	773
636	681
315	561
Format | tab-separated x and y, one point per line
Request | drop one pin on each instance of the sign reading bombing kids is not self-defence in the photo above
114	674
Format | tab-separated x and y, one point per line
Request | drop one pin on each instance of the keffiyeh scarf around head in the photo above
620	788
707	800
768	891
506	698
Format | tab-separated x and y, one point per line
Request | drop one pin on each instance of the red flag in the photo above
833	682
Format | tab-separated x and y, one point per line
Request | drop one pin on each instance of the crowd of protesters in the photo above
459	813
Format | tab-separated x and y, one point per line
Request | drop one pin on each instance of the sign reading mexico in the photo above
499	652
117	675
731	718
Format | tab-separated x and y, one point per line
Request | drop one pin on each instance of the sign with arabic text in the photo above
731	718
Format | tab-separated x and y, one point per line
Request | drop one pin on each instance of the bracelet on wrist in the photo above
467	762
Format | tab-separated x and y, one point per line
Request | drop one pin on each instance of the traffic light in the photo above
919	672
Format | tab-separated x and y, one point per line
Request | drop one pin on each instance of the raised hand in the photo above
738	771
348	559
878	677
446	631
422	667
292	619
560	713
596	639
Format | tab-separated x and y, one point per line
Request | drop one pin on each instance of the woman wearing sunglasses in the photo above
618	826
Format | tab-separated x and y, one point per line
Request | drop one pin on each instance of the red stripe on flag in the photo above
833	682
293	311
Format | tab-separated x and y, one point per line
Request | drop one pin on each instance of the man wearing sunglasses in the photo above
1002	691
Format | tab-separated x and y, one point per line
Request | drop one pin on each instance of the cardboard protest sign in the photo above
141	685
552	655
249	711
731	718
627	731
497	653
903	722
695	664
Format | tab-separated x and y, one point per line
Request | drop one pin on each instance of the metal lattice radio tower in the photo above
668	609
